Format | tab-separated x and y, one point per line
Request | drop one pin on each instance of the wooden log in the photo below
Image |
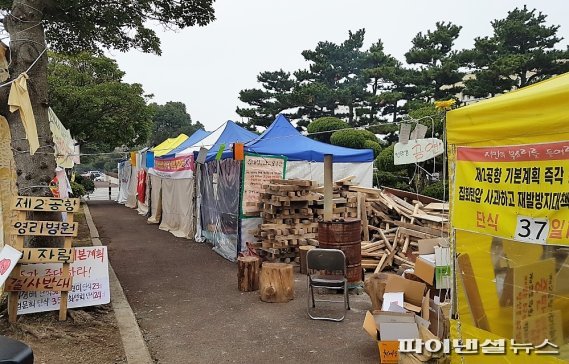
248	273
276	282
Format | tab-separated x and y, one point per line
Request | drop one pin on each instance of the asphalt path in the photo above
186	301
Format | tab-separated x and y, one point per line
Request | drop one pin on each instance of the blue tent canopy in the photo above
281	138
193	139
232	133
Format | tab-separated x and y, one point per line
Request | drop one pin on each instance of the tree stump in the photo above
303	250
277	282
248	273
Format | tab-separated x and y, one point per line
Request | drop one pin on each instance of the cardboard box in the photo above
413	291
387	328
425	268
427	246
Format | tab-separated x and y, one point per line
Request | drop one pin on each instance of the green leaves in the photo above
170	120
101	111
519	53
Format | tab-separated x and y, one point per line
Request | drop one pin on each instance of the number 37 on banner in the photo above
531	230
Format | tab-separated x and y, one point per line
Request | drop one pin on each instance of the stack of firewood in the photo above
394	224
288	211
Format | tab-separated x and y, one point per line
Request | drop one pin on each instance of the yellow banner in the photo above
518	192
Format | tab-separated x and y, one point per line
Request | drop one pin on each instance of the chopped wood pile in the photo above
394	223
394	228
288	211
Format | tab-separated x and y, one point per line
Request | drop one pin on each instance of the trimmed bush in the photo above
352	138
325	124
78	190
86	182
437	190
375	146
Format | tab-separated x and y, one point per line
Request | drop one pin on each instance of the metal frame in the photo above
329	284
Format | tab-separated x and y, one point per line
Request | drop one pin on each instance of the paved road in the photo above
186	301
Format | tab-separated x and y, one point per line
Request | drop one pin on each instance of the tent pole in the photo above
328	187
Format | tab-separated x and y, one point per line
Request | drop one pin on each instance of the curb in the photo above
133	342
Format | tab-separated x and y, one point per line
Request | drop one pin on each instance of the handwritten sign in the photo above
44	228
518	192
27	203
8	260
535	329
259	171
388	351
47	255
417	150
38	283
90	285
533	295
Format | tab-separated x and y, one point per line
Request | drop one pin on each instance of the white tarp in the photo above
124	179
155	200
178	207
315	171
131	188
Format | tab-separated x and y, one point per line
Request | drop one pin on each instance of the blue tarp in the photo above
232	133
281	138
193	139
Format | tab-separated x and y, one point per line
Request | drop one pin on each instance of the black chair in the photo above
326	268
15	352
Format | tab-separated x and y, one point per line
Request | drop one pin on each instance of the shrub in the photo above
325	124
86	182
78	190
384	162
375	146
437	190
352	138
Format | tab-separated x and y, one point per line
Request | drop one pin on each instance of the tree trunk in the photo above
26	44
277	282
248	273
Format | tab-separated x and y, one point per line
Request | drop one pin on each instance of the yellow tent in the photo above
488	143
167	145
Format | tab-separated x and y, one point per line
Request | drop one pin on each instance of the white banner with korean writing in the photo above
90	272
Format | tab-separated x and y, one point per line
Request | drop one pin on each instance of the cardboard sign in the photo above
90	285
259	171
27	203
8	259
47	255
417	150
533	289
517	192
44	228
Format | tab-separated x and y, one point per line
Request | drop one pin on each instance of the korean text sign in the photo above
90	272
518	192
259	171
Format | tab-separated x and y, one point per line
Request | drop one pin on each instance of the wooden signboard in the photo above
22	227
47	255
28	203
44	228
41	283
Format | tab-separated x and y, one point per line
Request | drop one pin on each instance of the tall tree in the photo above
88	95
268	102
170	120
520	52
73	26
439	76
334	78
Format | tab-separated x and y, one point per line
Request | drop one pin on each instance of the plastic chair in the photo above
326	268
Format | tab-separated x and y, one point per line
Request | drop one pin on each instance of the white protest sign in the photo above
417	150
90	285
8	259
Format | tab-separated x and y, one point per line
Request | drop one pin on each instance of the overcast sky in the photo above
207	67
